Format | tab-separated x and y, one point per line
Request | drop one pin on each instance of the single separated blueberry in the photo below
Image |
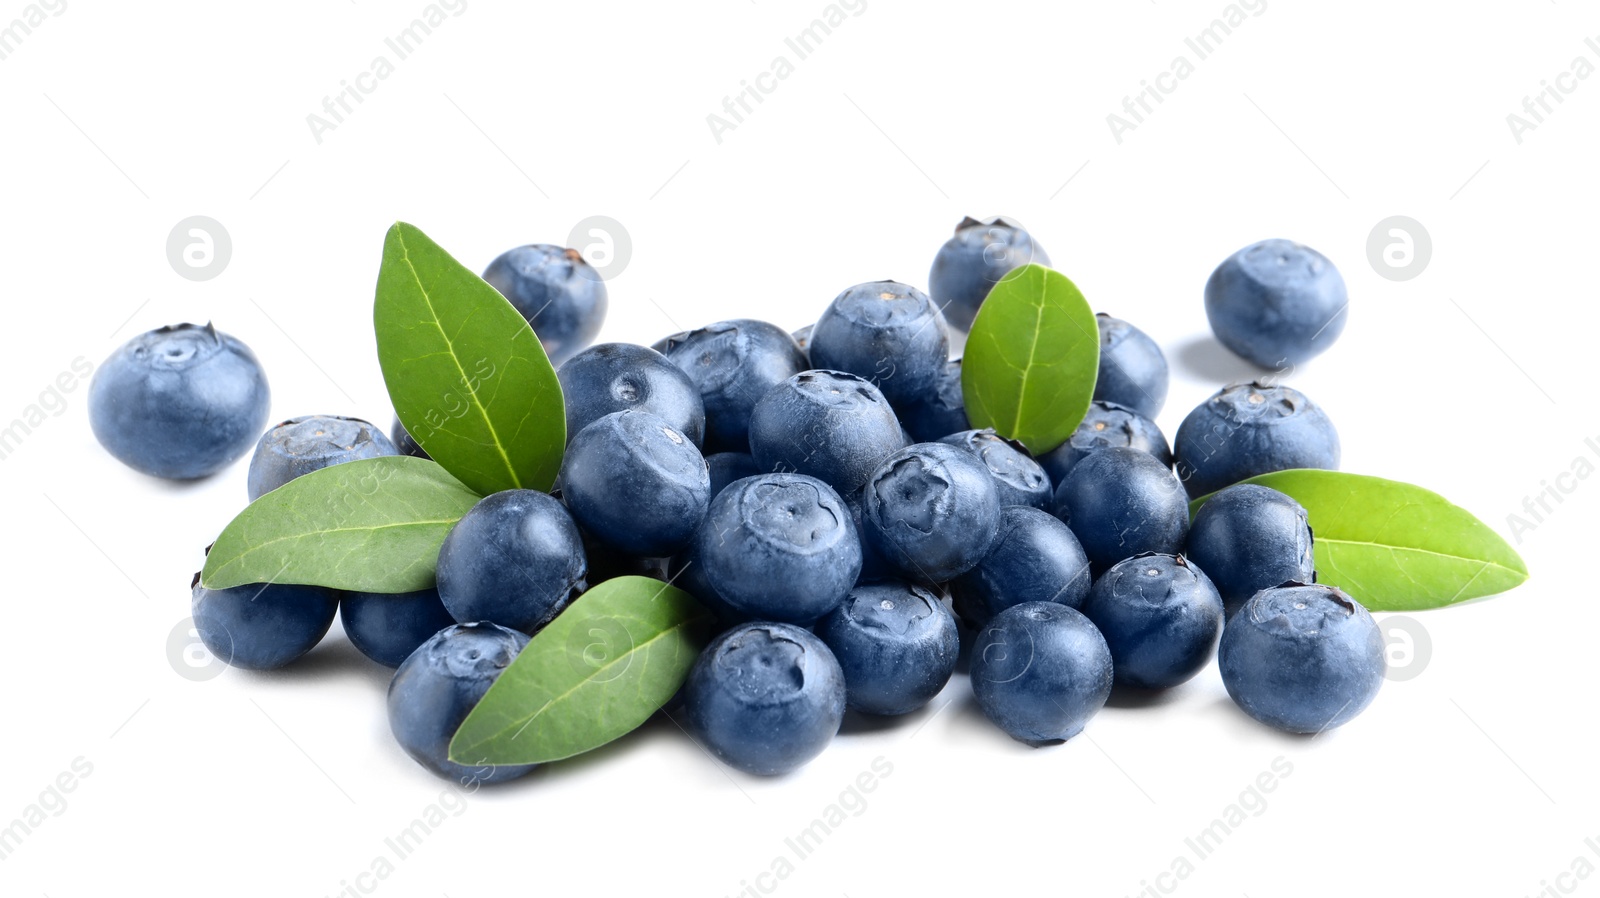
615	377
1253	537
388	628
765	698
1106	424
1133	371
1034	558
1250	429
939	412
438	686
562	297
310	443
636	482
1018	479
179	402
779	547
887	332
831	425
969	264
1276	303
1161	617
896	643
1302	659
932	510
1040	671
261	626
1121	502
734	364
515	559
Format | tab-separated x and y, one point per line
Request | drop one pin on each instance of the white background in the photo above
511	123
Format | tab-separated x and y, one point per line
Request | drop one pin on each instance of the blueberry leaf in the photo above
372	525
595	673
1031	359
1395	546
467	376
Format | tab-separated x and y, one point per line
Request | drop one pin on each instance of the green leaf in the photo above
373	525
596	672
466	373
1031	360
1394	546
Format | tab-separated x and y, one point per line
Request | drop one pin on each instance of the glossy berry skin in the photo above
262	626
1040	671
1254	537
179	402
1133	370
1276	303
887	332
1018	479
1302	659
515	559
896	643
438	686
779	547
973	261
1249	429
615	377
1034	558
733	364
310	443
388	628
1105	425
940	412
562	297
765	698
1160	616
932	510
1121	502
636	483
726	467
403	442
831	425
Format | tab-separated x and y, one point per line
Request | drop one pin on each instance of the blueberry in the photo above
1302	658
831	425
438	686
932	510
1160	616
1106	424
562	297
262	626
607	563
636	482
873	565
1276	303
779	547
179	402
1253	537
1018	479
1250	429
734	364
1121	502
765	698
895	642
388	628
614	377
403	442
726	467
887	332
1034	558
941	411
973	261
1040	671
802	339
1133	371
310	443
515	559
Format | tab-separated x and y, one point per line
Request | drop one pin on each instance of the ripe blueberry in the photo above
1253	537
1034	558
636	482
895	642
1040	671
262	626
1018	479
310	443
1106	424
831	425
1276	303
1249	429
1133	371
615	377
515	559
932	510
563	298
1121	502
969	264
887	332
734	364
1161	617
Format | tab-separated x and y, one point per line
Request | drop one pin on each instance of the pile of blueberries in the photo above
825	496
